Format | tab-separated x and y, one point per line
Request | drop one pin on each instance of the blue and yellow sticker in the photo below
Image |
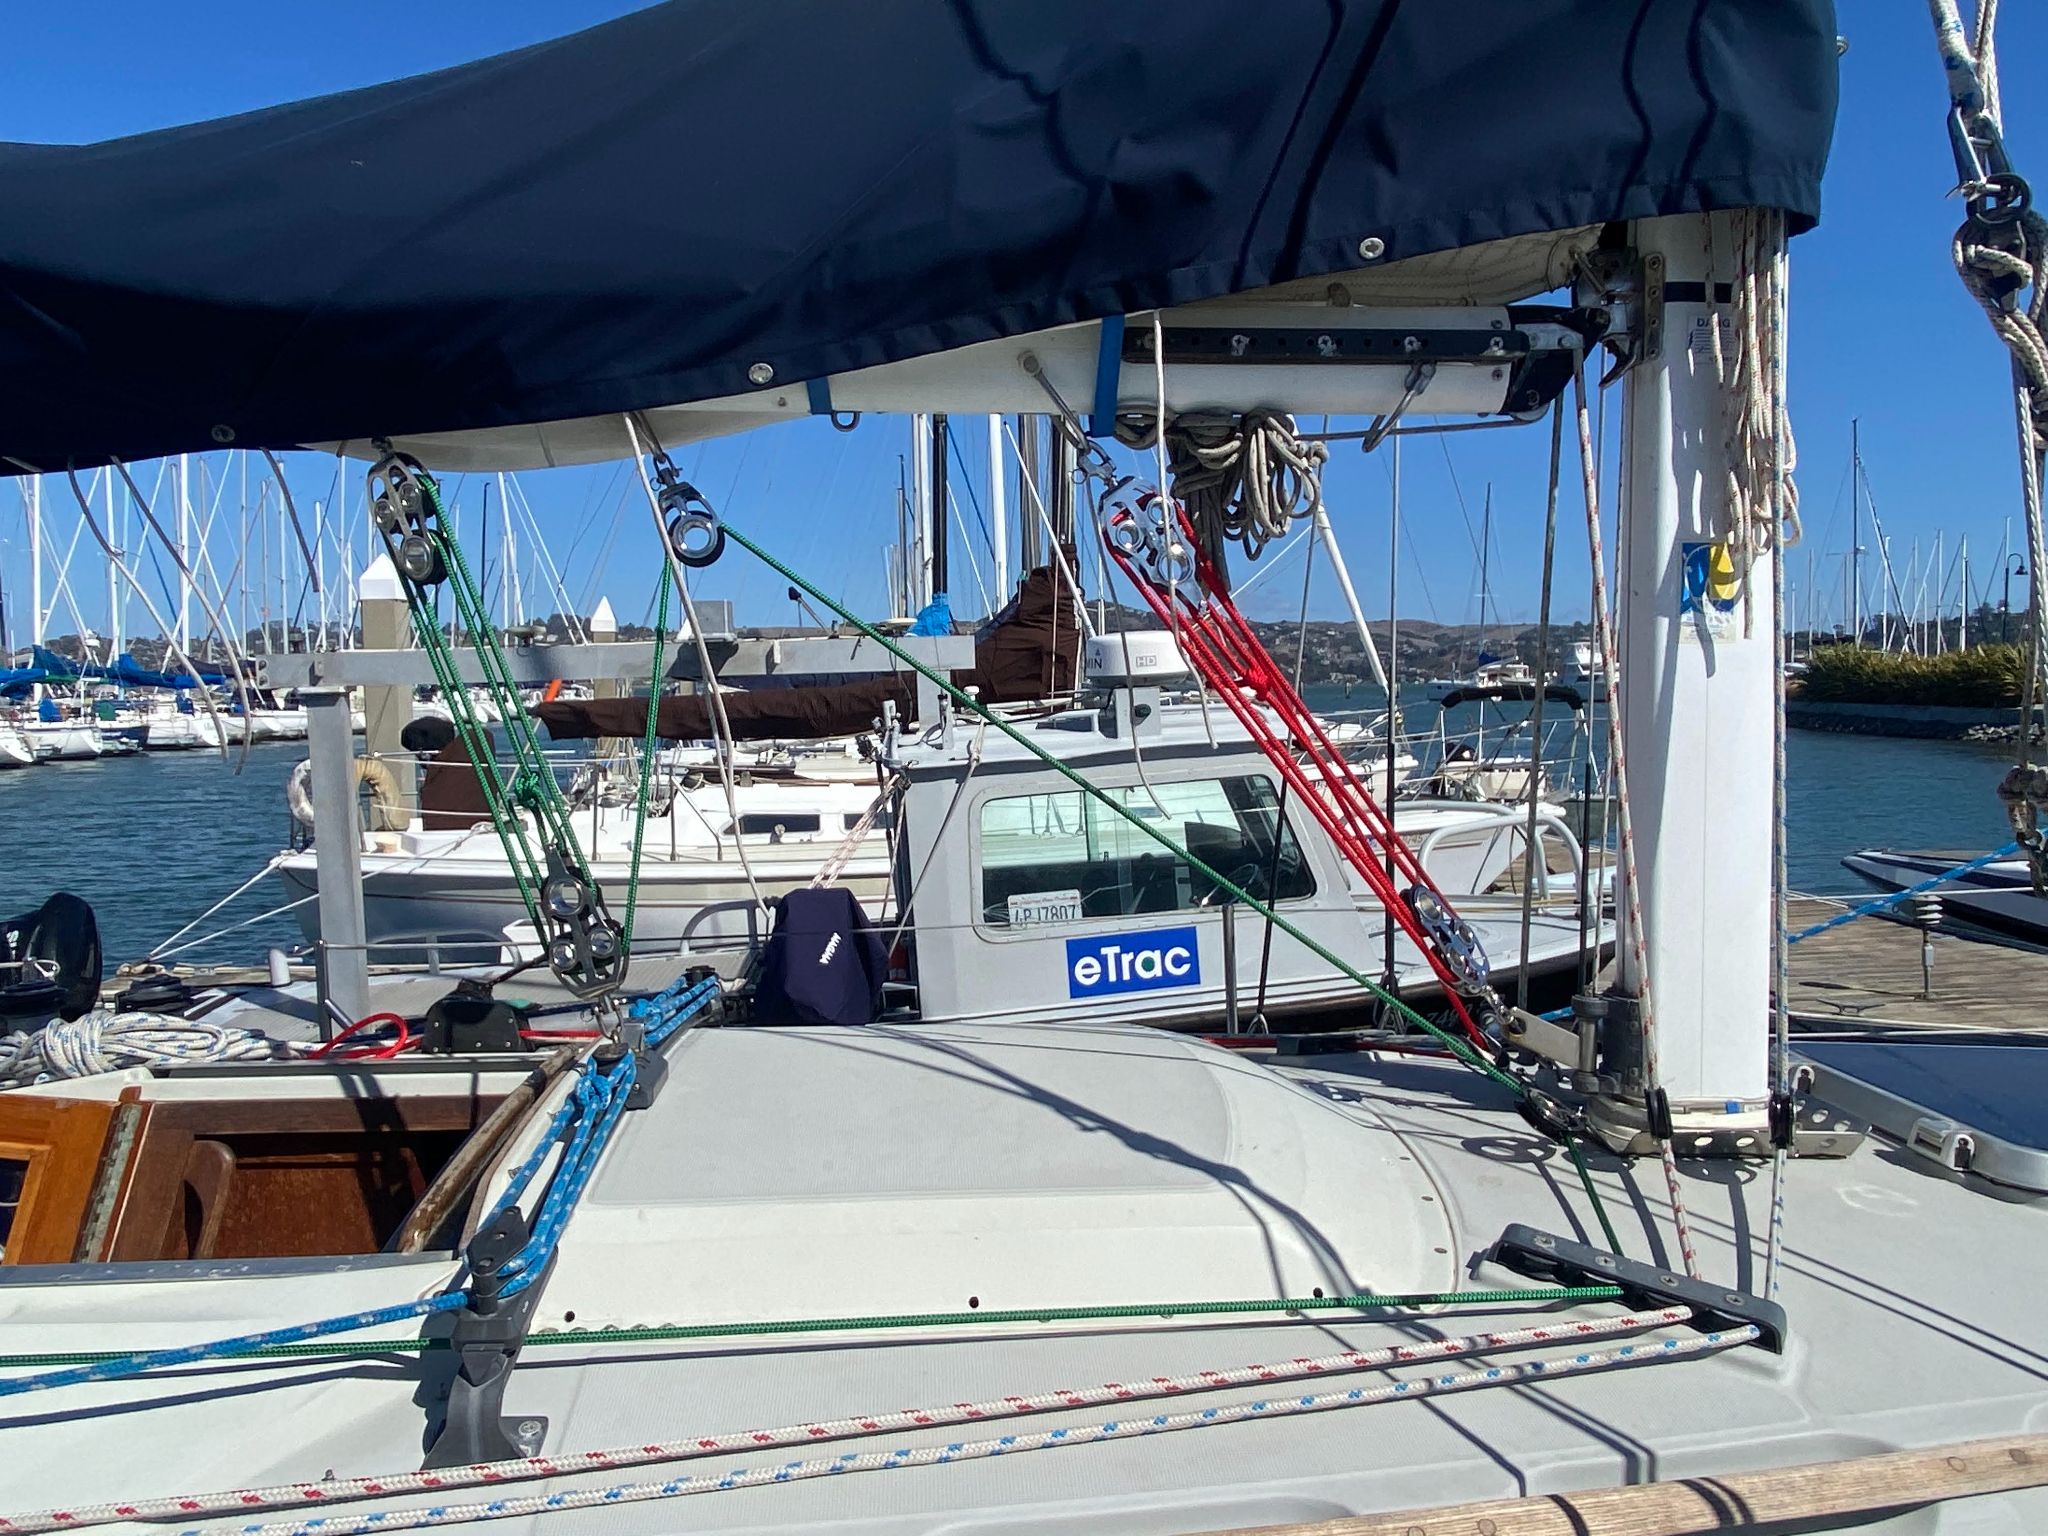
1710	585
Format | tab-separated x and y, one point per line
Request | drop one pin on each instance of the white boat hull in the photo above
174	732
468	905
63	741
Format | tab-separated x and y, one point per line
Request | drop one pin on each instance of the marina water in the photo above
153	840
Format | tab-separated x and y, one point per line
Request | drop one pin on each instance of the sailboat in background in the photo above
1489	671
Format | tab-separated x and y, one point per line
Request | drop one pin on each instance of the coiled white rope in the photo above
1761	511
1246	478
108	1040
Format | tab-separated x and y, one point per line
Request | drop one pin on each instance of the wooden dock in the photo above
1870	972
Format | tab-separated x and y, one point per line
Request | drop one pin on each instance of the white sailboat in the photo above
15	751
993	1257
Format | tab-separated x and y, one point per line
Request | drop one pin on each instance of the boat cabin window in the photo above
13	1181
768	823
1051	850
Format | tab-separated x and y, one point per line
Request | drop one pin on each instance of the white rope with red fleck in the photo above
1617	760
328	1492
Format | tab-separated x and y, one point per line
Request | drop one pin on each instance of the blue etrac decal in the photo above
1149	961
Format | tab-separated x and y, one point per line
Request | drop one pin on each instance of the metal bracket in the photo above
486	1341
1554	1260
1650	322
1614	1022
1292	344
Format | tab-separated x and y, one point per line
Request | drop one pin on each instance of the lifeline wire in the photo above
599	1101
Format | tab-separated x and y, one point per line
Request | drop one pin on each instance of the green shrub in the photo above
1983	677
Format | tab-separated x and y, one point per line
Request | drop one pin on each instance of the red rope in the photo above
367	1050
1229	656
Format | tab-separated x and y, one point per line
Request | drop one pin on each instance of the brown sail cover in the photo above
771	713
1029	651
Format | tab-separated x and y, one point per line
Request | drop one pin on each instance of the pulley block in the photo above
1453	939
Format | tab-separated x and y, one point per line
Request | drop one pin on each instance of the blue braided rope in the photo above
674	1007
1884	903
579	1160
523	1174
192	1354
589	1115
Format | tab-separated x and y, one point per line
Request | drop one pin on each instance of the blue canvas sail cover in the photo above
61	668
124	669
653	211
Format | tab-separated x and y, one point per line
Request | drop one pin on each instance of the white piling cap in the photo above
602	620
379	582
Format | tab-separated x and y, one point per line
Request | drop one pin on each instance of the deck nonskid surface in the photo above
1903	1334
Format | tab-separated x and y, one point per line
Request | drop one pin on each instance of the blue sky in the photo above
1881	330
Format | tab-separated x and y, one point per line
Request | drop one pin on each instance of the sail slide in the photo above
710	200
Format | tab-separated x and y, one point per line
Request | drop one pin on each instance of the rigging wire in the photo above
721	724
2001	255
1617	764
1529	859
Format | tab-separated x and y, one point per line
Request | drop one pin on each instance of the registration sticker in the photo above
1038	909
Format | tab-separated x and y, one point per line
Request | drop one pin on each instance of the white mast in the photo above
320	557
920	555
1696	719
284	566
35	560
1963	603
998	513
184	553
113	573
504	557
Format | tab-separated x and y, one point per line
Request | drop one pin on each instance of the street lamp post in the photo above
2015	566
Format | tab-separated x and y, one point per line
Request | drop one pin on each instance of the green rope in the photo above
1457	1045
530	784
476	743
646	768
328	1348
1571	1145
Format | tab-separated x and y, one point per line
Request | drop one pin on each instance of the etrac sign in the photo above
1151	961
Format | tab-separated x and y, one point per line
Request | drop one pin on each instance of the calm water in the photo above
152	840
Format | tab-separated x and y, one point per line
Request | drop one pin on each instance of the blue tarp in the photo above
711	197
935	617
125	669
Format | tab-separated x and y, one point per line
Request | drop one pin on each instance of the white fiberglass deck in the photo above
799	1174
